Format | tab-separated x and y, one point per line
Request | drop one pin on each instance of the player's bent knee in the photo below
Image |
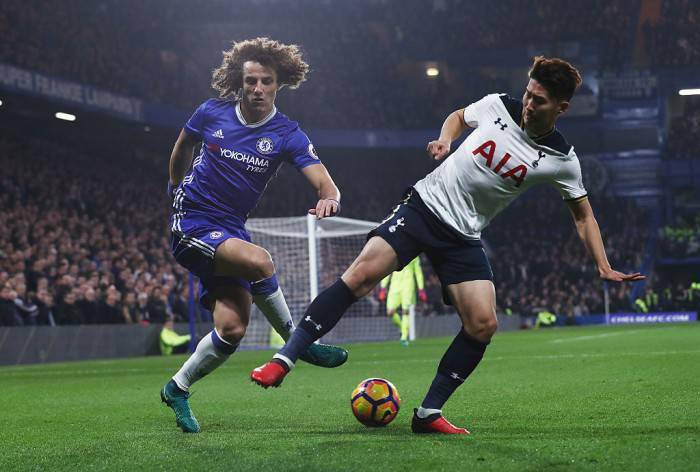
360	279
232	333
491	326
262	261
482	328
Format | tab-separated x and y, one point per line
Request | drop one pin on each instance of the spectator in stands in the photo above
9	315
109	310
158	310
129	307
67	312
45	303
142	314
87	303
27	309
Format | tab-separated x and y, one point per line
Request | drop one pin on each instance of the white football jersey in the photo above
495	163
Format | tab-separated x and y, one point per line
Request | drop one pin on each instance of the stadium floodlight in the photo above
65	116
695	91
432	71
0	103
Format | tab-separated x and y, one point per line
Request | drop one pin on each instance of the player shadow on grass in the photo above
387	433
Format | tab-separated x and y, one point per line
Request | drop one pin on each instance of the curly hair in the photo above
557	76
285	59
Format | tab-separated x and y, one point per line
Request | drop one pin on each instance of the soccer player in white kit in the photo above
515	145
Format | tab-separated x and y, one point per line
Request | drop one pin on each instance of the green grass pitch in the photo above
601	398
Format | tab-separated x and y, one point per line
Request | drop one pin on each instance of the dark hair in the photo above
559	77
285	59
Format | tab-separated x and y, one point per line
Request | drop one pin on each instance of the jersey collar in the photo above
239	114
530	140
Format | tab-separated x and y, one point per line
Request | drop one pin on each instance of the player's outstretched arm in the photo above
589	232
181	157
328	194
452	128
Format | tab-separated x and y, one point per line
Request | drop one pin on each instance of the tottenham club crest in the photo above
399	223
540	155
264	145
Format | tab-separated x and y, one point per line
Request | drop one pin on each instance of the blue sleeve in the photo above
300	152
196	122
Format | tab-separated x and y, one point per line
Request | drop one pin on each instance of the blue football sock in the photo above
459	361
320	317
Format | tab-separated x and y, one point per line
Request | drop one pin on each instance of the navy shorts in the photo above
412	228
195	239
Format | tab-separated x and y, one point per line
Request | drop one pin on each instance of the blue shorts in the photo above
412	228
194	243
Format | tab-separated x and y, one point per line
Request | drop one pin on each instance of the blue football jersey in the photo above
237	159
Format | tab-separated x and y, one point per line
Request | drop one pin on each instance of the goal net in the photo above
310	255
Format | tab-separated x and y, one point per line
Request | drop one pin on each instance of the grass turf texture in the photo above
613	398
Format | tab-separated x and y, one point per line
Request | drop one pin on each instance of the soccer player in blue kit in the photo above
244	139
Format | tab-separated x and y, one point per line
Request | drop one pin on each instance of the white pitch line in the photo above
605	335
595	336
587	355
514	357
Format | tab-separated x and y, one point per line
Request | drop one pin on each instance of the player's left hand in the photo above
325	207
615	276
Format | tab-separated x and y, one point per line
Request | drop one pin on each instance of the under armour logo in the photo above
501	124
540	155
399	222
317	326
456	377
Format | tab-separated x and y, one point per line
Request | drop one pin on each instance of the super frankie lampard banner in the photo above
17	79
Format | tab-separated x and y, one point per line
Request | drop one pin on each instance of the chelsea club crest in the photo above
264	145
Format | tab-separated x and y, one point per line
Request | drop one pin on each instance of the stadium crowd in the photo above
682	238
81	243
383	54
672	40
683	132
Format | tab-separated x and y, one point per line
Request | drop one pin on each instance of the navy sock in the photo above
320	317
459	361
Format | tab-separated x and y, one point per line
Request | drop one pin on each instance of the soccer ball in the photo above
375	402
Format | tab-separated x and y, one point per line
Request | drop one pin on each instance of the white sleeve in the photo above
476	110
569	180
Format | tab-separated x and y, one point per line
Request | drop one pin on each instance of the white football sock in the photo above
284	359
425	412
203	360
275	309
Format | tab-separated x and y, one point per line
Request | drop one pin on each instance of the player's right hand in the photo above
438	149
382	294
326	207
